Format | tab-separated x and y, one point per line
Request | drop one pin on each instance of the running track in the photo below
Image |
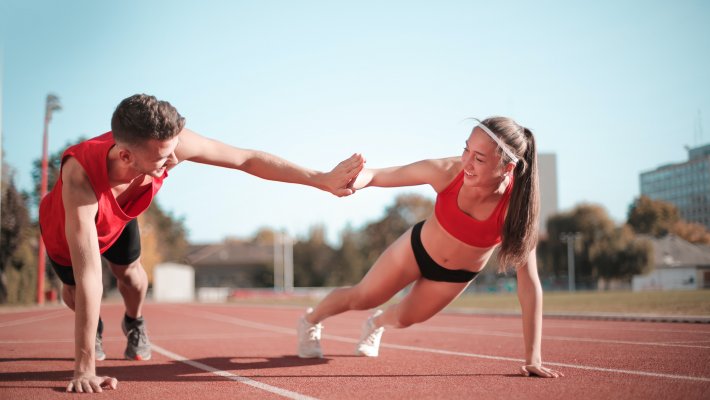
231	351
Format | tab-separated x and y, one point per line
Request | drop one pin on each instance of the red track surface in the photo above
227	351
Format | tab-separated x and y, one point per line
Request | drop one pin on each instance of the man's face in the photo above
154	156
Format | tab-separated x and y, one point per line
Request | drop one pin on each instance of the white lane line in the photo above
520	360
152	337
279	329
33	319
237	378
551	324
690	341
551	337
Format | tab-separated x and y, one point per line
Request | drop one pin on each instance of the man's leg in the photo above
124	260
133	285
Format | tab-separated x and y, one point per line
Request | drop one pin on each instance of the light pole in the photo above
51	106
570	238
278	261
288	263
283	262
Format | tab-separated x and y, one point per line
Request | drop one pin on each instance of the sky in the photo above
612	88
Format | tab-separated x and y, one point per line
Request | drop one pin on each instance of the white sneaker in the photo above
309	338
369	345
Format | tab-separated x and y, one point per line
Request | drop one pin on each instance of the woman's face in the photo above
481	161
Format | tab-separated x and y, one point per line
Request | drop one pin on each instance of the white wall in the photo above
667	279
173	283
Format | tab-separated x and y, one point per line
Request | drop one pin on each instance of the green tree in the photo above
17	254
54	165
313	259
652	217
350	263
602	251
621	255
360	249
593	224
407	210
170	230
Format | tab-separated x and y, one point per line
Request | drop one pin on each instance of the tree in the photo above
621	255
604	251
407	210
360	249
692	232
54	165
313	259
264	235
349	262
17	259
594	225
659	218
652	217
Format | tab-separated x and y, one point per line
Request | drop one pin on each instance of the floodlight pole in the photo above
570	238
278	261
52	105
288	263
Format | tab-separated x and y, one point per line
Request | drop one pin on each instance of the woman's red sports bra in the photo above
464	227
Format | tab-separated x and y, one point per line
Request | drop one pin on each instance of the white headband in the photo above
502	145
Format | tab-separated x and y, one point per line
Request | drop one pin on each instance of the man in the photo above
105	183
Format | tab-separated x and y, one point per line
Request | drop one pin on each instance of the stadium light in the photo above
51	106
570	238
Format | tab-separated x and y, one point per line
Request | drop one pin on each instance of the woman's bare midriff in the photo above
450	252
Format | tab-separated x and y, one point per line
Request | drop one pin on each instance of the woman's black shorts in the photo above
429	268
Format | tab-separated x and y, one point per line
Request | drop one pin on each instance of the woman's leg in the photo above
393	270
425	300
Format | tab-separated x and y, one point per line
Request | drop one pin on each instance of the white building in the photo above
173	283
677	265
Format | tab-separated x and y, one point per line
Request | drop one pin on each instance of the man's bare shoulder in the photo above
73	173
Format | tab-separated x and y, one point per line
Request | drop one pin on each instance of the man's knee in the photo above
68	295
131	274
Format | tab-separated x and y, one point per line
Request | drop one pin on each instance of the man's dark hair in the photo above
142	117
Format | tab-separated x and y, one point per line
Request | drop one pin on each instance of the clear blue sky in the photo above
613	88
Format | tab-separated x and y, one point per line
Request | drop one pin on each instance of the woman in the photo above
486	198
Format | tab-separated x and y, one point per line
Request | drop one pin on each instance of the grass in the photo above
696	303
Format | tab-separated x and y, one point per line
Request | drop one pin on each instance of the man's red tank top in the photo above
464	227
111	218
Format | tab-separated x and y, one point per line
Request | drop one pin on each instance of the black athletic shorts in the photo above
429	268
125	250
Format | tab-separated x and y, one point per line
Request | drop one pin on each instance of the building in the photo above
232	264
677	265
685	185
547	171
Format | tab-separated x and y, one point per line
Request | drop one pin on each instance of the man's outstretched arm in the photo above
338	181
